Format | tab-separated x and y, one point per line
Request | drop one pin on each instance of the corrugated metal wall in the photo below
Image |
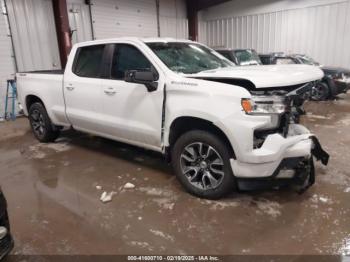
7	64
124	18
34	34
79	21
321	31
117	18
173	19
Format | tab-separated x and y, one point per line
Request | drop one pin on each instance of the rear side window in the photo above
128	57
89	61
265	60
225	54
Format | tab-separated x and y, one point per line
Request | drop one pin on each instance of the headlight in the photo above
264	105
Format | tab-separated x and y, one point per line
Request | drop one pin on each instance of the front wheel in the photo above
201	162
41	124
320	92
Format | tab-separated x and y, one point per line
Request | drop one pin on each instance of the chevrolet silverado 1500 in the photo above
217	123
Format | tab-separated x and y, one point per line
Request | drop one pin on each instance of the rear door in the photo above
130	112
82	88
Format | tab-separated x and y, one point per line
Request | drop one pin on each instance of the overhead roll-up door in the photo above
124	18
34	34
7	64
79	20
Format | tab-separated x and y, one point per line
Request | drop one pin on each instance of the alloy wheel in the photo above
38	123
318	92
202	165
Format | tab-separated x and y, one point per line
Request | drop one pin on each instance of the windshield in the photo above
308	60
247	57
188	58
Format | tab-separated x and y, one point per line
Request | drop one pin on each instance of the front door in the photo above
130	112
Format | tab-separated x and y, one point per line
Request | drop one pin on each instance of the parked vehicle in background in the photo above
336	80
6	241
241	57
304	59
216	122
278	58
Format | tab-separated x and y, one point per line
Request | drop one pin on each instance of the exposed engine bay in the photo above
286	103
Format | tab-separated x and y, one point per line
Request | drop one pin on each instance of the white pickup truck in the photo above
217	123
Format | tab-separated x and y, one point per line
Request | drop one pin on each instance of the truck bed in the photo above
46	85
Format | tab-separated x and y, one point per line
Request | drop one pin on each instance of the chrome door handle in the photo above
110	91
70	87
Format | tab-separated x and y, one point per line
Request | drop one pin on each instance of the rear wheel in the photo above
201	162
41	124
320	92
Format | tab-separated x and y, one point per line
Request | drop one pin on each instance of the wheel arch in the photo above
31	99
183	124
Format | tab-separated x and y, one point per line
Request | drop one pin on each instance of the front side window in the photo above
89	61
188	58
127	57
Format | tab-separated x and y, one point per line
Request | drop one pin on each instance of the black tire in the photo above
41	124
320	92
218	152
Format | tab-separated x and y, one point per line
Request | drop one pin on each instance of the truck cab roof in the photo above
133	39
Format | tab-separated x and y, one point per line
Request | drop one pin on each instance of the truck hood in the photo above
265	76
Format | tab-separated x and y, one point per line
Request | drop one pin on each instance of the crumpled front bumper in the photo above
265	161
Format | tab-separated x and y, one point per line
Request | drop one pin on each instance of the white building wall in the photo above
34	34
79	20
7	65
319	28
113	18
117	18
173	19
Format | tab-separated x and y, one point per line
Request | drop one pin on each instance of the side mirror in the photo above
147	78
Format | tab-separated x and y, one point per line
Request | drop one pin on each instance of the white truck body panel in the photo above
127	112
268	75
49	88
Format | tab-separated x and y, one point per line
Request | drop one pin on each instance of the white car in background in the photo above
218	124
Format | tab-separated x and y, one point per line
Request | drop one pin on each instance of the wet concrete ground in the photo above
54	204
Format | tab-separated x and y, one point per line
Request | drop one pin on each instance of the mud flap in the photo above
318	152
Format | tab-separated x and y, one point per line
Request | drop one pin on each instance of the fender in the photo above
26	110
193	114
245	83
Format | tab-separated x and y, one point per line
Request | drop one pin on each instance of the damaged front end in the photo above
296	166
